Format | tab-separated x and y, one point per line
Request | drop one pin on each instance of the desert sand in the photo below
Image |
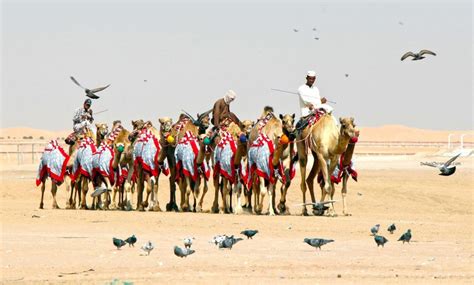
75	246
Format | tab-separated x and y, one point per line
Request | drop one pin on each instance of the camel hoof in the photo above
347	214
145	204
215	210
238	211
304	212
55	206
172	207
41	206
113	206
156	208
140	208
84	207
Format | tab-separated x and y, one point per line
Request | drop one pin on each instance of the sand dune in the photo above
20	132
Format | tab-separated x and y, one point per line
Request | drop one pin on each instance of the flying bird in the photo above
229	242
118	242
148	247
316	38
317	242
183	252
391	228
314	29
90	92
380	240
446	168
346	75
188	242
131	241
406	237
417	56
400	23
249	233
375	229
295	30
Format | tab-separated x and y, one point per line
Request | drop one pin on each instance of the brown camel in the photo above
288	123
170	135
52	165
327	141
343	171
240	163
123	163
268	131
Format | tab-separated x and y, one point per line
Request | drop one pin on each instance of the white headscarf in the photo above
229	96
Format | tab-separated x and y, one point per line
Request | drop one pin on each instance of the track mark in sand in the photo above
78	272
98	221
72	237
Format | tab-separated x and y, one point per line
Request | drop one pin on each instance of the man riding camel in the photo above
82	119
221	109
310	100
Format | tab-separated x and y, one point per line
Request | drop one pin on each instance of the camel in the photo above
288	124
327	141
82	152
53	164
123	163
170	135
240	163
224	156
343	171
145	152
264	158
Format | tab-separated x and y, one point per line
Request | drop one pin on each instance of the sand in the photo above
61	246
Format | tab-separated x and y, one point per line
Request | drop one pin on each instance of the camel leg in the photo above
201	199
113	205
271	198
224	194
107	193
215	204
310	180
70	186
325	170
85	188
188	190
257	198
156	202
128	193
238	192
54	189
263	192
140	188
303	160
169	151
43	186
345	179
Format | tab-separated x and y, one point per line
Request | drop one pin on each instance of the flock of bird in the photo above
416	56
228	242
381	240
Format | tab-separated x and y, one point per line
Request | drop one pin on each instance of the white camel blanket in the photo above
146	152
52	164
102	162
260	161
186	153
83	162
224	157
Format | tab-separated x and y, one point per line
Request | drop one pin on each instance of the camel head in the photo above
348	127
102	130
166	123
288	122
137	125
203	121
247	126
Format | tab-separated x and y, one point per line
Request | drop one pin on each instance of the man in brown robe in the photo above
221	109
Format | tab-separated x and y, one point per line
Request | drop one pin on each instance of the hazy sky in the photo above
190	53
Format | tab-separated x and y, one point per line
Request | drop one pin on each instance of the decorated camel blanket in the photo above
52	164
338	172
186	153
146	152
83	163
224	154
102	161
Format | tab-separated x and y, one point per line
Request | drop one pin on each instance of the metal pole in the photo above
449	140
462	140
